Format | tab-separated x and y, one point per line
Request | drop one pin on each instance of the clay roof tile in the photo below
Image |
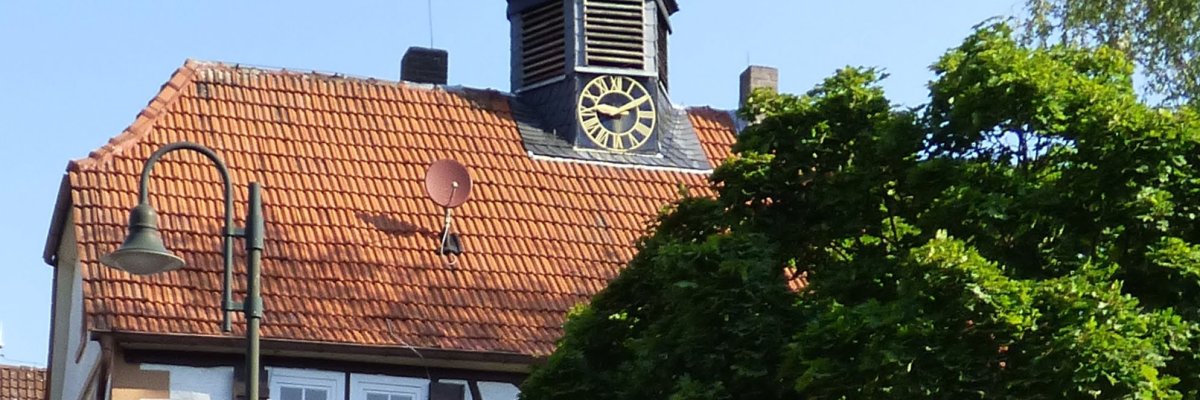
22	382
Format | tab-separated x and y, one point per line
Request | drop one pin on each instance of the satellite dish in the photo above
447	183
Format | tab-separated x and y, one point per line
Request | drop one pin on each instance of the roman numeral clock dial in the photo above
616	113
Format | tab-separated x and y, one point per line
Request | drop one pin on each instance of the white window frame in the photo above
361	383
498	390
334	382
466	387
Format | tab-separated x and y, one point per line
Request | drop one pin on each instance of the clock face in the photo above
616	113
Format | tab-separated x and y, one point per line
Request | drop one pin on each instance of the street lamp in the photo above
143	252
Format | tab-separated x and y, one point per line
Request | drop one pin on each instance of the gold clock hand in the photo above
625	108
607	110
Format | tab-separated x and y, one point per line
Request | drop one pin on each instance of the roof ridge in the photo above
194	70
21	367
224	65
167	93
209	65
707	108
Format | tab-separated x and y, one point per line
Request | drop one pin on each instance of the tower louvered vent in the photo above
543	43
614	33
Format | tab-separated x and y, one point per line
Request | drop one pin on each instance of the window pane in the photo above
291	393
402	397
377	396
314	394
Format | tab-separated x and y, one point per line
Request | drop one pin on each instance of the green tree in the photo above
1029	234
1162	36
639	338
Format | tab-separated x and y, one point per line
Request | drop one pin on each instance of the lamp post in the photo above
143	252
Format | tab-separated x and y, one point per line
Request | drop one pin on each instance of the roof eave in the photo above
62	206
401	354
167	94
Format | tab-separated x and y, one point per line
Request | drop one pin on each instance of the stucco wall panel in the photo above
74	358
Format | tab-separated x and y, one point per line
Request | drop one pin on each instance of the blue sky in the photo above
75	73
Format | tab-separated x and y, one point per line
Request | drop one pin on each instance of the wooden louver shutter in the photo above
543	43
614	33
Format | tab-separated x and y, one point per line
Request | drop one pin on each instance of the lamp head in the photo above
143	252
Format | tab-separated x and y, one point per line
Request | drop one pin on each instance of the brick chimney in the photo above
756	77
424	65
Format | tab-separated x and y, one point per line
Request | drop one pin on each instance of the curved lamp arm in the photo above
229	233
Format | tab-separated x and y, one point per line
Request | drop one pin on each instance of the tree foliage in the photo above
1029	234
638	338
1162	36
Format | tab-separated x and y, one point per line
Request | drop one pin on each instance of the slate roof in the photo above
22	383
349	255
678	146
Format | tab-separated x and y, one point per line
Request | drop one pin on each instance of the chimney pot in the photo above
755	77
424	65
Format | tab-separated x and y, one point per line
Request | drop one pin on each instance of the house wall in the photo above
74	358
132	381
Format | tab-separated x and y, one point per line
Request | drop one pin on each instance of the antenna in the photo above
1	339
448	184
430	8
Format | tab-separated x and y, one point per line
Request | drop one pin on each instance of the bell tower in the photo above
595	71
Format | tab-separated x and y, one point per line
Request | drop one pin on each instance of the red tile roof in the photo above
22	383
348	256
714	128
